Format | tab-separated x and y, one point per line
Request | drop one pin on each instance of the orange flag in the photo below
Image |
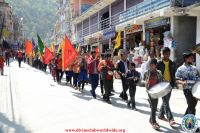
47	55
68	53
28	47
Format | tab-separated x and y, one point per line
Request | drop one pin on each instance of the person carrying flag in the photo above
19	56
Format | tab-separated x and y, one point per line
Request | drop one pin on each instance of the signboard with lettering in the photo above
109	33
133	28
156	22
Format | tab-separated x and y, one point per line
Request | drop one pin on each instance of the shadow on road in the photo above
4	75
86	95
11	124
168	130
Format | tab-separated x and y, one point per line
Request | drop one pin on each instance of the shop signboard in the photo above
156	22
15	46
109	33
133	28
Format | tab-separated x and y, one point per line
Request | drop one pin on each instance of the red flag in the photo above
47	55
68	53
28	47
97	51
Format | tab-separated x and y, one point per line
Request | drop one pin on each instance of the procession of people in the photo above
92	68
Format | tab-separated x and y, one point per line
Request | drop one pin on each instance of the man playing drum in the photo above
186	75
151	78
106	67
167	67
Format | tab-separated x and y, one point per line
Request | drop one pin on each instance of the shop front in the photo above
108	36
133	36
158	35
93	43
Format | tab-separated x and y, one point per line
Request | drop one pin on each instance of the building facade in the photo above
63	24
10	25
152	23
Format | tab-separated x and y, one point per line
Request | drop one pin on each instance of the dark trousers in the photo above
45	67
108	85
75	78
81	84
132	91
94	78
19	61
1	69
154	104
191	102
123	94
165	108
101	85
7	61
69	76
58	75
61	75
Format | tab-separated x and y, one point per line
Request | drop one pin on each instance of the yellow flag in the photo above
60	45
52	48
33	54
118	40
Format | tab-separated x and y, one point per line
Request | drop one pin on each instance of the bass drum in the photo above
159	90
196	90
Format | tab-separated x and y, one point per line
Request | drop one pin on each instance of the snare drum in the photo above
196	90
110	73
159	90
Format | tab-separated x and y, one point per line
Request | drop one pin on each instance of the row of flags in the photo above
68	52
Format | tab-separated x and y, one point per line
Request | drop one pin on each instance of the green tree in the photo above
39	16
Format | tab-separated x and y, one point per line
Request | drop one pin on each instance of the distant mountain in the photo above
39	16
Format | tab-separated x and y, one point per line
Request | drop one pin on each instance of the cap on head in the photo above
187	54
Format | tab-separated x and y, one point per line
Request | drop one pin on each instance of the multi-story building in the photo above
63	24
18	33
153	23
10	25
6	22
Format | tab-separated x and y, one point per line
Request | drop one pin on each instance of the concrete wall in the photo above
183	29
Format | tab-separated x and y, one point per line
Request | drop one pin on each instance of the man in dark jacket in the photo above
168	69
122	69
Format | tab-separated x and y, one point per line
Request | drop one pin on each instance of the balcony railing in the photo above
133	12
184	3
143	8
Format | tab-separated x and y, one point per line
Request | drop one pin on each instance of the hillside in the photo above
39	16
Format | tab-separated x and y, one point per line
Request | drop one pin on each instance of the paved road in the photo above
31	102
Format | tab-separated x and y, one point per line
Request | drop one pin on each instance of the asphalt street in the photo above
31	102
